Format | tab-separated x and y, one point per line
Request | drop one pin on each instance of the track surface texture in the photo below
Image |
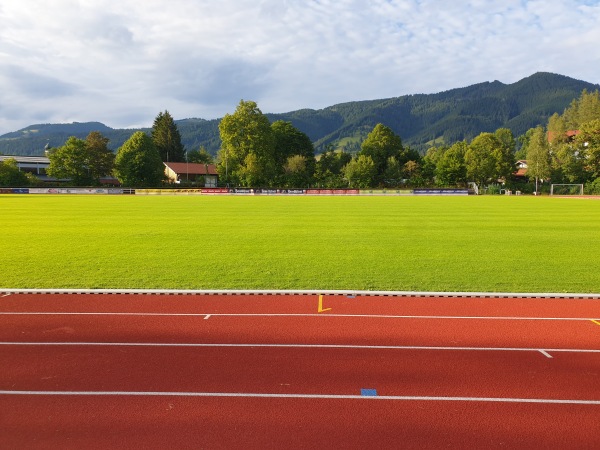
298	371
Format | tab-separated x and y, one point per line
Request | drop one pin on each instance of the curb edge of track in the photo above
362	293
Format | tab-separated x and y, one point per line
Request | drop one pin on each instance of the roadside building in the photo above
204	175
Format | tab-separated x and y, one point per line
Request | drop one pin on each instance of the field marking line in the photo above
207	316
596	322
320	309
6	295
309	346
364	316
546	354
306	396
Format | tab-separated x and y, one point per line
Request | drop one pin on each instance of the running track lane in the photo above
335	414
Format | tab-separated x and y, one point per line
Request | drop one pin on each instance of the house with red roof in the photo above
204	175
521	172
570	135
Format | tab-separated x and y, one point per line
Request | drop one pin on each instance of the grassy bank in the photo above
504	244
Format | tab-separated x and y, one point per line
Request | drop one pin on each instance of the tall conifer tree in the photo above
167	139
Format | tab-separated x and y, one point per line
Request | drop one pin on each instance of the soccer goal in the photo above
566	189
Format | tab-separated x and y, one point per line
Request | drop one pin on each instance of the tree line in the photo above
137	163
567	150
257	153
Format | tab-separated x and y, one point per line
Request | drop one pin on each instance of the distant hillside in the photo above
447	117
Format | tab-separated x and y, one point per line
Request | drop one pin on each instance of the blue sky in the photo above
122	62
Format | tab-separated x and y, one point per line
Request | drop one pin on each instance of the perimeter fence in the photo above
234	191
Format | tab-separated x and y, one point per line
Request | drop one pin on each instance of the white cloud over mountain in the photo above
122	62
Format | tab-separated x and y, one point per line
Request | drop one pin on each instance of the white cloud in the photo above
123	62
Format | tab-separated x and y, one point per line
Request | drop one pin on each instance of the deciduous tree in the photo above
11	176
138	163
200	156
247	132
297	173
451	169
380	145
538	156
82	162
289	142
588	143
360	172
328	172
479	159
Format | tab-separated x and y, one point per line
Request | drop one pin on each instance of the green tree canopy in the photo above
451	169
557	129
584	109
394	172
11	176
83	162
538	155
101	160
138	163
247	132
504	153
360	172
480	158
200	156
297	173
167	139
328	171
588	143
380	145
289	141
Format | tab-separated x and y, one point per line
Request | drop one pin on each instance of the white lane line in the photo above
6	295
363	316
325	346
546	354
307	396
207	316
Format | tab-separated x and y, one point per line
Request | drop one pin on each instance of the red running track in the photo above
264	371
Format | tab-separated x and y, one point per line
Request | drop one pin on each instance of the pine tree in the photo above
167	139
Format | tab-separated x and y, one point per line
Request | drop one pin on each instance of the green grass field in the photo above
502	244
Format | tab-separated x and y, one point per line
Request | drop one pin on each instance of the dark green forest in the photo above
420	120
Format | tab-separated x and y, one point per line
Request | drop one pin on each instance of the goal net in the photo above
566	189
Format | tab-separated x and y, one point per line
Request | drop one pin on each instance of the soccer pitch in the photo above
479	244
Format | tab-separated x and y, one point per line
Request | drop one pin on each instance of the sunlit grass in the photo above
504	244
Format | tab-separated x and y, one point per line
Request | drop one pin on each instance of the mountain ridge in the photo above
419	119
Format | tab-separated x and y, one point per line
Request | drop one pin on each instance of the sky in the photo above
122	62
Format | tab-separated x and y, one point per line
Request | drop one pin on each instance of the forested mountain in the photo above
419	119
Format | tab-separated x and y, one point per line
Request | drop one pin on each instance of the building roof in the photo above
569	134
520	172
26	159
521	168
192	168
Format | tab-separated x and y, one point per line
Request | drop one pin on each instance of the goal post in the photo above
566	189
